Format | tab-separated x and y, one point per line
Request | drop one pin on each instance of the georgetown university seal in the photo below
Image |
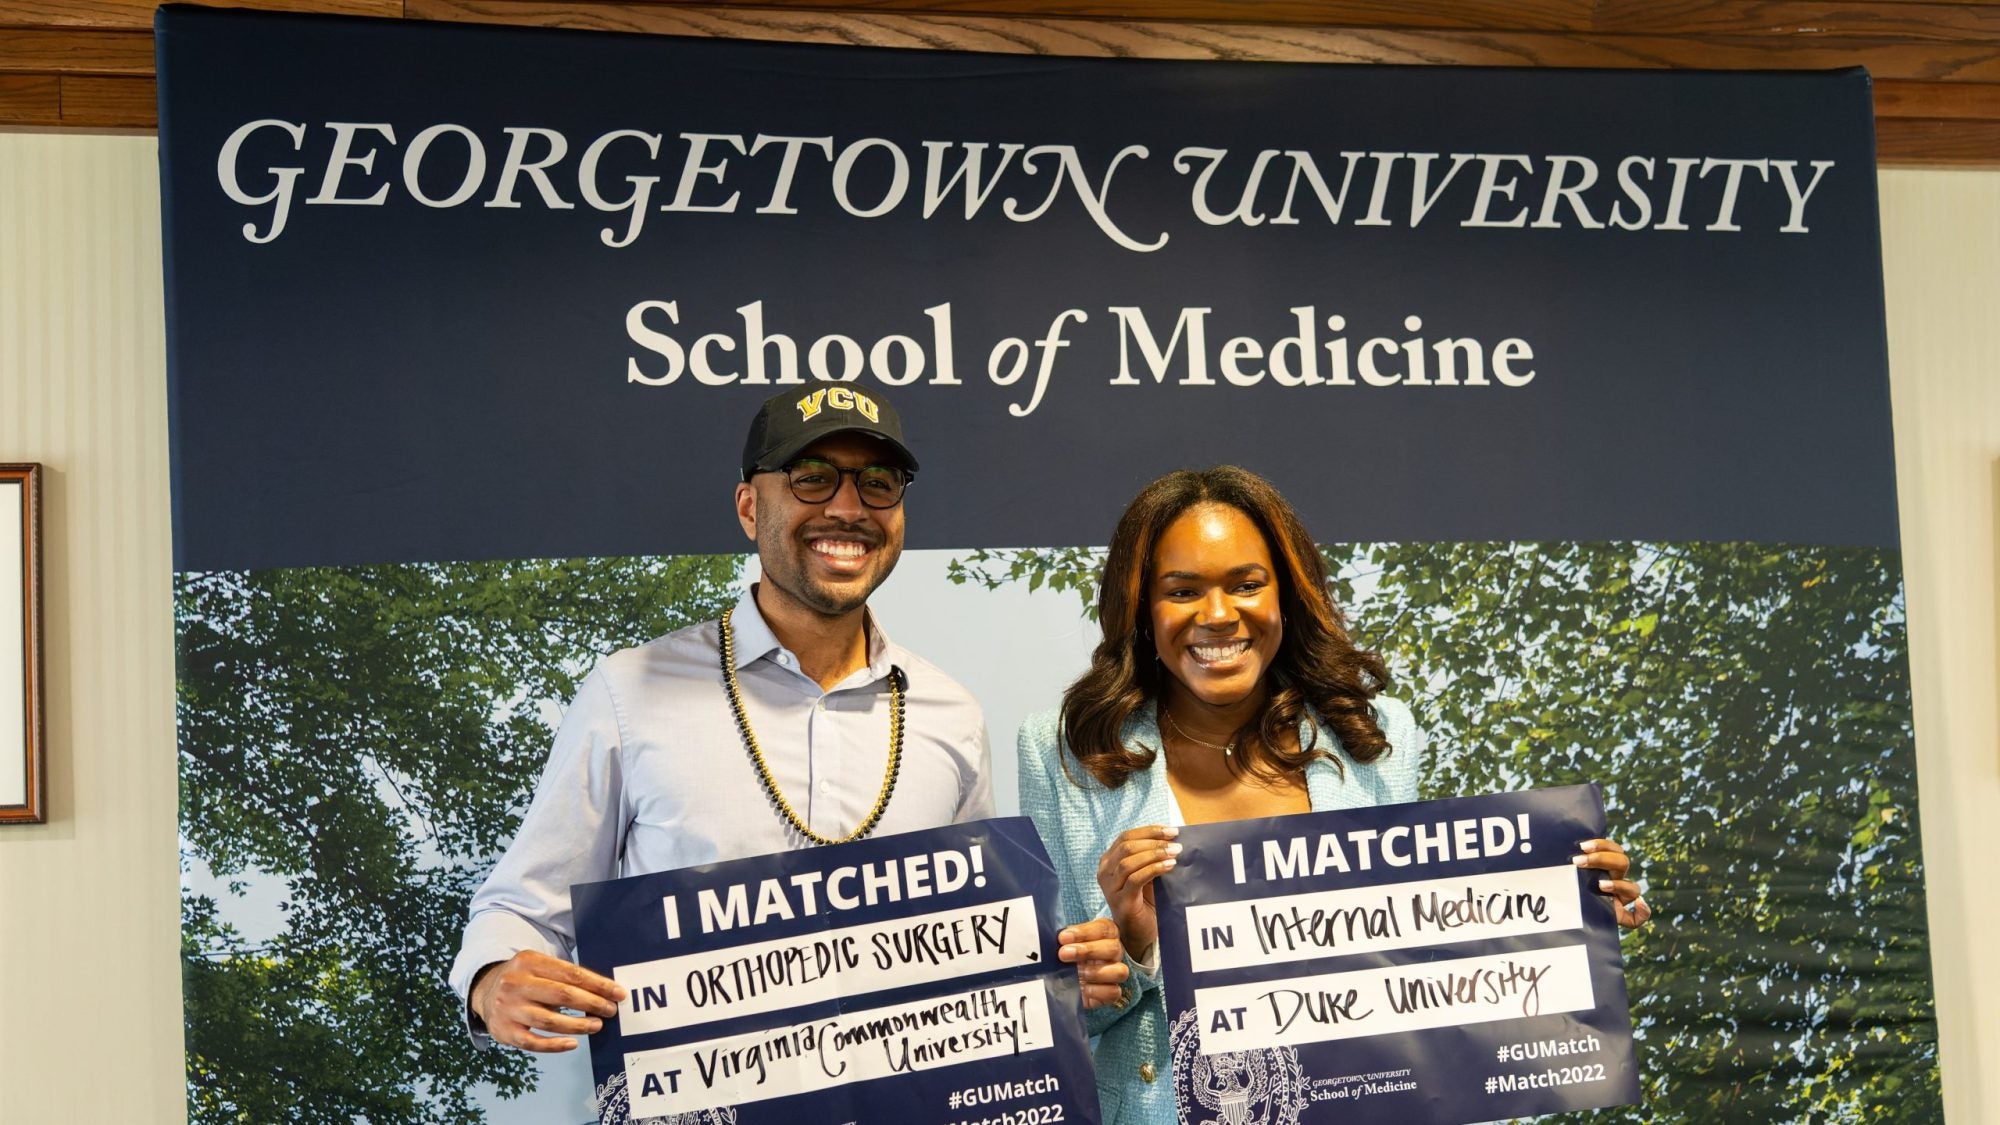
1261	1087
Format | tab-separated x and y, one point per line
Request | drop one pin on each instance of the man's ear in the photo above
746	509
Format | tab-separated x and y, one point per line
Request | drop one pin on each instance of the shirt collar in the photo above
755	641
752	636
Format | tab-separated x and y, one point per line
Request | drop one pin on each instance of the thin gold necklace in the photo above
1228	749
784	807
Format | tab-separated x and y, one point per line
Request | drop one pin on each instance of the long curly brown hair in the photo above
1317	665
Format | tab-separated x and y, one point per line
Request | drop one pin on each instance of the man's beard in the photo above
794	577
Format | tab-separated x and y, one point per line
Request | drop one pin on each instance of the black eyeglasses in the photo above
815	482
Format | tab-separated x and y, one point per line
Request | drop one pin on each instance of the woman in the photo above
1225	687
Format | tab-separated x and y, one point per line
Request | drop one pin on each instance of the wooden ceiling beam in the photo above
109	103
31	99
1936	143
1900	59
1958	101
1801	21
41	50
137	15
89	63
1548	15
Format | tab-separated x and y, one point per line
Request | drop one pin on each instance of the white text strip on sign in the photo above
1242	1017
984	1023
1321	924
768	976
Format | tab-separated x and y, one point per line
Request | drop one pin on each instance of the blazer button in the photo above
1147	1073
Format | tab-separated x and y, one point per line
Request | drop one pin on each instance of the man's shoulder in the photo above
677	651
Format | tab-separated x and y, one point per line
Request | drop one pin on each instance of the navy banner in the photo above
1578	378
1445	290
1440	961
910	978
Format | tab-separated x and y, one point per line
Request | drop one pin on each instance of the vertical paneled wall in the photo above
88	915
89	921
1941	268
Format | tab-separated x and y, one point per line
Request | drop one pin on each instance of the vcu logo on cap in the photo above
838	398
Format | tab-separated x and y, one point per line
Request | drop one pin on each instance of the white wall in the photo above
1941	270
89	924
90	1021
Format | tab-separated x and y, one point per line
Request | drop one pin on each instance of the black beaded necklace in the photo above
784	807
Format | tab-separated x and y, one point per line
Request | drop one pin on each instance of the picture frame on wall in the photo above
23	749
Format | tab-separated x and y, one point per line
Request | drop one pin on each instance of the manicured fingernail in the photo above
1172	849
1604	884
1169	863
1588	846
1580	860
1170	832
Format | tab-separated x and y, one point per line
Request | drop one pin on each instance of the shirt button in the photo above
825	787
819	705
784	659
1147	1073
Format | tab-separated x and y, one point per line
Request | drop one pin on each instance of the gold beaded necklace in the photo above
784	807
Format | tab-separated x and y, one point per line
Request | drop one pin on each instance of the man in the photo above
673	755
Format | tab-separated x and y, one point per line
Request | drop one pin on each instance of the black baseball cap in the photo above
799	416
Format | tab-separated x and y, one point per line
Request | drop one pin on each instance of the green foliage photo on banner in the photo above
1579	379
367	738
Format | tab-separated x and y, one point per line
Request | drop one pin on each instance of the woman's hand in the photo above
1125	874
1093	947
1606	856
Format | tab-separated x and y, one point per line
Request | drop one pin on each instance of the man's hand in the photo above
522	995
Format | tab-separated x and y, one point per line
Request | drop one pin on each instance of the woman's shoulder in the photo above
1039	744
1393	715
1043	750
1400	768
1041	730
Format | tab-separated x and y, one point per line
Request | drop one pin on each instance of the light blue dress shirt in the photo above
649	773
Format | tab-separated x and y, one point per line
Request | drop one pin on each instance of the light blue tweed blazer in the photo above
1078	818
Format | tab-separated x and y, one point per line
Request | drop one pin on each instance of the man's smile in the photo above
843	552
